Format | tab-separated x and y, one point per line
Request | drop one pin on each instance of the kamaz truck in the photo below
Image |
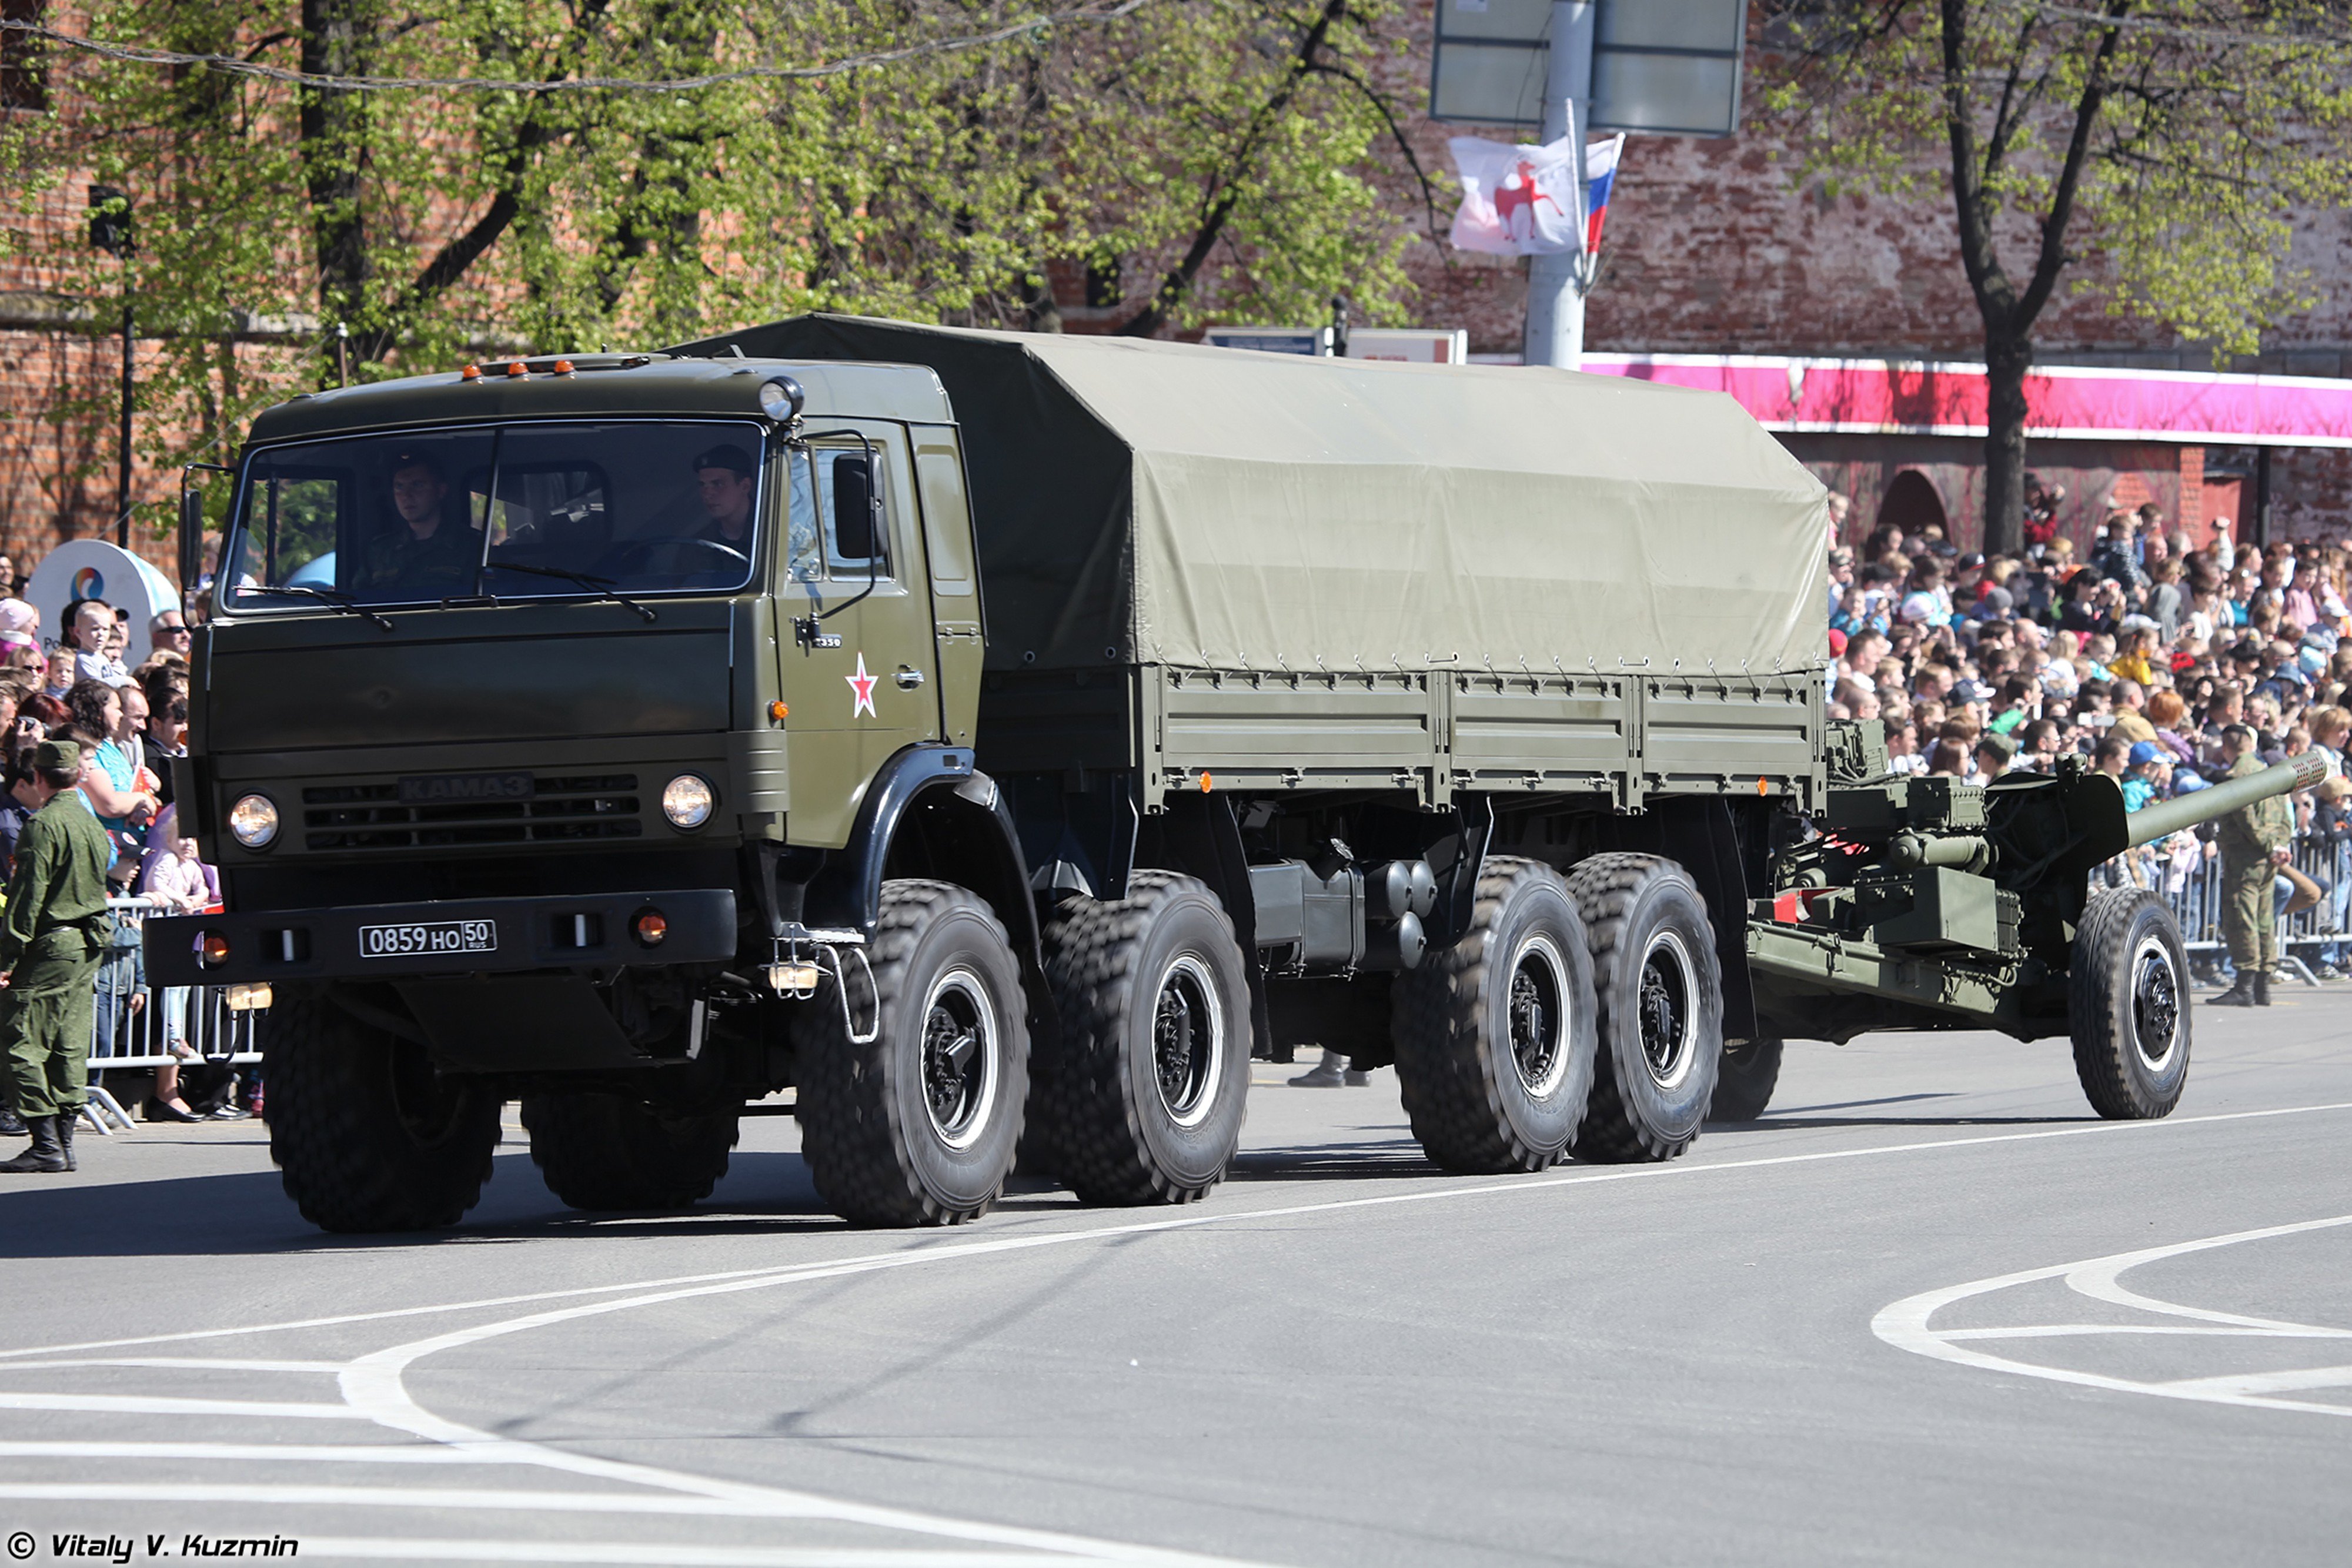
998	740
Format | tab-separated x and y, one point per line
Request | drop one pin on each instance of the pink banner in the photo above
1888	396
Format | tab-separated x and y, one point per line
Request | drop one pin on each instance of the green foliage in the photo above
2205	127
435	225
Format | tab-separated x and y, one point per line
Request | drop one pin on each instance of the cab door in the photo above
948	544
857	665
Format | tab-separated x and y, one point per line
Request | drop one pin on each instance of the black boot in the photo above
2240	993
66	1120
2262	988
11	1124
42	1157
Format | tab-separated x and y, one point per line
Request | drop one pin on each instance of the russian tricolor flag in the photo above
1600	173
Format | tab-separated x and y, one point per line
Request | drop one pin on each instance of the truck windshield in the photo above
520	511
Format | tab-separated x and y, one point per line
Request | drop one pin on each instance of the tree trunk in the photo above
2006	359
333	129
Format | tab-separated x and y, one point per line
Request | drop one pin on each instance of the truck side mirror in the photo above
192	537
855	530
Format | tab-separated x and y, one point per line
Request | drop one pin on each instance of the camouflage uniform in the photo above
2249	911
51	939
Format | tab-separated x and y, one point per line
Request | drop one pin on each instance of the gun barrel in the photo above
2165	818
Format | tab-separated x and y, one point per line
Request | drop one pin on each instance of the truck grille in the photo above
559	810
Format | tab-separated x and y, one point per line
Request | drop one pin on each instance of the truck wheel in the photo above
1144	1103
918	1126
607	1151
1660	992
367	1135
1750	1071
2128	1006
1495	1035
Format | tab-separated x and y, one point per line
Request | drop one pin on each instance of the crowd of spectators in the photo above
2157	659
129	724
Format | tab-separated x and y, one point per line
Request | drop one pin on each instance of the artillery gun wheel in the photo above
1744	1082
368	1136
918	1125
1494	1034
2128	1006
1660	992
608	1152
1144	1098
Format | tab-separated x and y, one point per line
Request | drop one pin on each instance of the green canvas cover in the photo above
1217	509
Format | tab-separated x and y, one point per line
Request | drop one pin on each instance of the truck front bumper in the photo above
450	937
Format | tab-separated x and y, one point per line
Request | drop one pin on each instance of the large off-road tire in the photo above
608	1152
367	1134
917	1127
1660	992
1144	1099
1494	1034
2128	1006
1748	1071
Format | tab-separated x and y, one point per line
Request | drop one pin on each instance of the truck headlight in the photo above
254	821
687	801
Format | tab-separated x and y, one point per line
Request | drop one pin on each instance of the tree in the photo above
399	184
2171	141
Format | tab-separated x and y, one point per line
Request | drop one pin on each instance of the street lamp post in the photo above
109	231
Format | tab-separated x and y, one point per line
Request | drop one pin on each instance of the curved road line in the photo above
1908	1325
373	1388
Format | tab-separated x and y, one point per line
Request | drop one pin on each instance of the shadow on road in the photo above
248	1214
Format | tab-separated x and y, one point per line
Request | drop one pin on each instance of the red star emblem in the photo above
862	684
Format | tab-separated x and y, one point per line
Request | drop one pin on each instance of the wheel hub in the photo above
1666	1009
1539	1018
959	1058
2154	1003
1187	1040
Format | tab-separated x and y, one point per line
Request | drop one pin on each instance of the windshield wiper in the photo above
341	601
602	586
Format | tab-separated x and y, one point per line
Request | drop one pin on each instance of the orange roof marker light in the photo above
470	374
563	367
1208	782
517	368
778	712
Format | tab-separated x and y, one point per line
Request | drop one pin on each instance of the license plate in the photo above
428	938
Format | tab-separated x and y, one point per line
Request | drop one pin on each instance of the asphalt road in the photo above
1927	1311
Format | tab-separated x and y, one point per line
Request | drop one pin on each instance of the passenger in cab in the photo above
425	555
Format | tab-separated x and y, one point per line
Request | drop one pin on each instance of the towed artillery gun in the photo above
997	741
1927	902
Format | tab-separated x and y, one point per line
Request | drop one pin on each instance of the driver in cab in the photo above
426	554
724	476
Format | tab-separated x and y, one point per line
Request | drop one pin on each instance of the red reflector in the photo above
651	927
211	949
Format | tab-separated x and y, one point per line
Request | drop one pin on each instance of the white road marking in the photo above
150	1405
241	1453
1439	1193
675	1554
1908	1325
372	1388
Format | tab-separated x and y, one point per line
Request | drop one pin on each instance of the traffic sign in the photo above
1659	67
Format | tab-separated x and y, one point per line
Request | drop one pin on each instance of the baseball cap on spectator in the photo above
1837	642
2002	746
2143	751
2188	781
1964	692
1970	562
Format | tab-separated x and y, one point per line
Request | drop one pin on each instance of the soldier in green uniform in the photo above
2253	842
427	555
51	938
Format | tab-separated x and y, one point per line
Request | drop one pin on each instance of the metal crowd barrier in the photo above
135	1026
2192	888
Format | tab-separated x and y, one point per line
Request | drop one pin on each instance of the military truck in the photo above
996	741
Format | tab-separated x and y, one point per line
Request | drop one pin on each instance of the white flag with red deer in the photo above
1517	200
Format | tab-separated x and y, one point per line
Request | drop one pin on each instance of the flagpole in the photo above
1555	329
